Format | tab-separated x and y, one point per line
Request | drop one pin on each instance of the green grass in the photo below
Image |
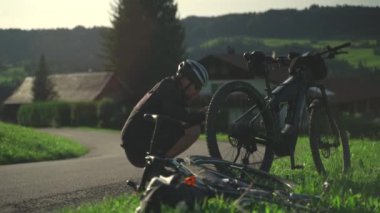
274	42
356	191
122	204
220	137
365	56
10	75
20	144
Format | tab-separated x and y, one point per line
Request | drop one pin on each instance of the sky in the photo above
48	14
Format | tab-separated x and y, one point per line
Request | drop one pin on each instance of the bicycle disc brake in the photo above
325	145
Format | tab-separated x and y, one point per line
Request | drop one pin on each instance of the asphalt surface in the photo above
50	185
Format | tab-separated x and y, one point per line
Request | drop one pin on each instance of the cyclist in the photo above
168	97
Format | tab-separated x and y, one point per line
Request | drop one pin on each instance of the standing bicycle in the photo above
257	128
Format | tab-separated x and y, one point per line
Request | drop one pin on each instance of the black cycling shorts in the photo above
137	139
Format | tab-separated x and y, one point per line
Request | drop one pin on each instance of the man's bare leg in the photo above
191	135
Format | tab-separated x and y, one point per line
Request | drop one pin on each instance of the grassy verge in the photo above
19	144
356	191
122	204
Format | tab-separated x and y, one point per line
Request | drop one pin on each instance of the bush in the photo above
120	116
106	108
63	111
44	114
104	114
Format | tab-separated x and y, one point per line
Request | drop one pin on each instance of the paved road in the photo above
44	186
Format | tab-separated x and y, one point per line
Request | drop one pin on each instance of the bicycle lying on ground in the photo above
193	179
257	128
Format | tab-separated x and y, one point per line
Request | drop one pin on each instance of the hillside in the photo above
289	30
66	50
318	23
80	49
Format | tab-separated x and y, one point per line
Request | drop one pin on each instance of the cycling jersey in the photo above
165	98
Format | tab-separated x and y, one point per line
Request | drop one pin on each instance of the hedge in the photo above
44	114
84	114
104	113
111	115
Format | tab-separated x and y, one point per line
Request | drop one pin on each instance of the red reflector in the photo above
190	181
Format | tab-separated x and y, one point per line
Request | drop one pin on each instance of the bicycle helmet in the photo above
194	71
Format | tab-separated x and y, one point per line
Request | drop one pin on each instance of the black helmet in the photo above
193	70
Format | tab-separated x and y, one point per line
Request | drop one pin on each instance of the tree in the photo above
145	43
43	88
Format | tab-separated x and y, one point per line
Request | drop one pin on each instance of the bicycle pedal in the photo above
132	184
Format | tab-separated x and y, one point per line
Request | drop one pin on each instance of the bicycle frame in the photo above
260	122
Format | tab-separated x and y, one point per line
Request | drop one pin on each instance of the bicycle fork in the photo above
324	104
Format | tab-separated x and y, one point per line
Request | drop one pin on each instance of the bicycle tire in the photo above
321	129
262	158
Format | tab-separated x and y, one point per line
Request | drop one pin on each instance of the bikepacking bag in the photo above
287	143
313	64
173	192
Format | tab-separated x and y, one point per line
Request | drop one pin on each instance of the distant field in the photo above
360	51
365	56
356	54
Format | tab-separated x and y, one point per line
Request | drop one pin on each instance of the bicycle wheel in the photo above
239	127
326	136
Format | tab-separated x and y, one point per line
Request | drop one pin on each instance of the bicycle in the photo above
256	128
211	177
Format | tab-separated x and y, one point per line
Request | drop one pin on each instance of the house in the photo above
356	94
74	87
227	67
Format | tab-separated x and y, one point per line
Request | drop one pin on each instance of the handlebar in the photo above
332	51
256	56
